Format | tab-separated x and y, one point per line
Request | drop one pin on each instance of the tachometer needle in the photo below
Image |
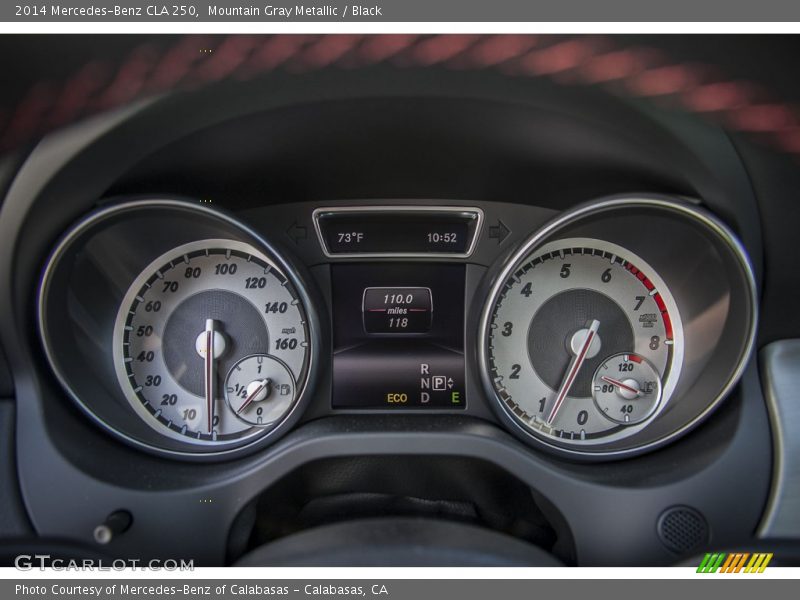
621	385
209	372
572	371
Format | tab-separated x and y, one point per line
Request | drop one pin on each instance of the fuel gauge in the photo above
259	389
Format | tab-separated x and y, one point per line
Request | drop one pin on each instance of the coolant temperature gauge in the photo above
259	389
626	388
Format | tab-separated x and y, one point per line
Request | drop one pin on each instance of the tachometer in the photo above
584	342
188	325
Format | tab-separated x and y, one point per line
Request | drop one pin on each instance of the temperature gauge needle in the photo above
621	385
574	368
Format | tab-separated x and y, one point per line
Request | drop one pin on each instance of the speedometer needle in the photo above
574	367
209	372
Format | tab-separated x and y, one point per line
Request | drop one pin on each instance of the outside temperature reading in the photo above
351	237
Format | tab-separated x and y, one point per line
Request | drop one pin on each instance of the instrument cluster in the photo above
191	332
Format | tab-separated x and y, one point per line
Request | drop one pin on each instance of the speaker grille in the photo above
682	529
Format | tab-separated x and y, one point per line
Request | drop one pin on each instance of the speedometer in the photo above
585	342
186	326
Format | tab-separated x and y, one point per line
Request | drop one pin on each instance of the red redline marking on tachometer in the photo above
662	307
660	303
640	276
667	325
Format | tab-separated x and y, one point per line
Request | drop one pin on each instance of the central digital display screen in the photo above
398	336
375	234
406	231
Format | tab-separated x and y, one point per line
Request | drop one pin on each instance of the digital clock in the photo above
443	238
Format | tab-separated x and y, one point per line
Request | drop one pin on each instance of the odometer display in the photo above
563	322
191	316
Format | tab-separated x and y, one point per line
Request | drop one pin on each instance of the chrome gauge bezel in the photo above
201	223
718	234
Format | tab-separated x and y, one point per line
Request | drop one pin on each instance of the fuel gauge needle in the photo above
261	387
574	368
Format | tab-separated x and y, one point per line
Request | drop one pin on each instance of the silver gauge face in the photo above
259	389
567	310
191	317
